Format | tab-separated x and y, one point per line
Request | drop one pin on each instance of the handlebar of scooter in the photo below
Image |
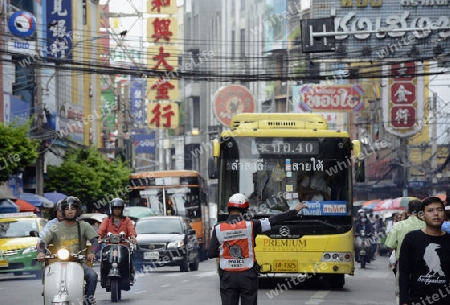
78	255
116	239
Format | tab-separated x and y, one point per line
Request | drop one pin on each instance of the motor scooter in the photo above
115	267
363	246
64	277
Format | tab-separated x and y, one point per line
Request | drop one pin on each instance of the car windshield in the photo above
17	228
159	226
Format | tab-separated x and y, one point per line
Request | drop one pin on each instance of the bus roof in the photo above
165	173
281	120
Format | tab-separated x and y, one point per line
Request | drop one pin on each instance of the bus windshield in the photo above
179	201
275	173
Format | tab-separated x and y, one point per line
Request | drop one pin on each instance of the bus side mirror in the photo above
358	158
213	166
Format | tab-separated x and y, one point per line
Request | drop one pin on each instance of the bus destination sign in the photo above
325	208
286	146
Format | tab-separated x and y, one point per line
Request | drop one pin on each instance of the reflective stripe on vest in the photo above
236	245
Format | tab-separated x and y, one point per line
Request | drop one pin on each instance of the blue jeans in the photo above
91	277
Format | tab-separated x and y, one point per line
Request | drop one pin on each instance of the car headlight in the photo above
29	249
175	244
63	254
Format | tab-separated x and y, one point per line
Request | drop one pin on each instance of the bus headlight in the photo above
63	254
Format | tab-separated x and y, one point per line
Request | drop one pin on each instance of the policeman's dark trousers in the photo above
235	285
91	278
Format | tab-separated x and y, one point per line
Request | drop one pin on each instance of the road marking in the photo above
206	273
318	297
185	281
165	286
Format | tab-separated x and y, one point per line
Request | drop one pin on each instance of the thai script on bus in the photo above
287	146
325	208
314	165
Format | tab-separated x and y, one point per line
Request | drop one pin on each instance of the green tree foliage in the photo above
17	150
88	175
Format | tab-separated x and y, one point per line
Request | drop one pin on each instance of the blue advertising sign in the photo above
326	208
22	24
59	29
144	143
19	110
137	101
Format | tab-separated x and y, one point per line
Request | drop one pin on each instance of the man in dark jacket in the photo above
233	242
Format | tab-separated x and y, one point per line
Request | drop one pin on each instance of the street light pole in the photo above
40	161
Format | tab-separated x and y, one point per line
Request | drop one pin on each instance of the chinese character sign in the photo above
404	99
59	29
163	58
162	89
162	29
162	115
168	7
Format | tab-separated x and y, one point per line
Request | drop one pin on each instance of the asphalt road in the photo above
166	286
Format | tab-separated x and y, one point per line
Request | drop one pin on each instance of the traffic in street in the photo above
373	285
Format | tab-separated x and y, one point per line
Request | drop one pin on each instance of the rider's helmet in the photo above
69	202
238	201
56	208
362	215
116	202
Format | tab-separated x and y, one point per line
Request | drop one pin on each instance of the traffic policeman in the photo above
233	242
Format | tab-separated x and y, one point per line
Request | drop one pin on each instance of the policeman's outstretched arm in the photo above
267	223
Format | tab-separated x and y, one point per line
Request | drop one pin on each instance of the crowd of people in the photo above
419	244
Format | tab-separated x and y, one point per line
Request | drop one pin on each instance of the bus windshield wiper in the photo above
337	227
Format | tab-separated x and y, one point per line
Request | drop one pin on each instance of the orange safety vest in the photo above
236	245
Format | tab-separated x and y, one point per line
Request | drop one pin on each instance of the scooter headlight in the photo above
63	254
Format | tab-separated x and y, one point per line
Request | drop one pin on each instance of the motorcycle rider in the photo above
67	233
117	223
363	223
58	217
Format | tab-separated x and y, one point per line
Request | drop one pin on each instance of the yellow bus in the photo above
277	160
175	192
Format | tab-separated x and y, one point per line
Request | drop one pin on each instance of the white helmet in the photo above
238	200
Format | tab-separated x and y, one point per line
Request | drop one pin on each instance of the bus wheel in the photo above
336	281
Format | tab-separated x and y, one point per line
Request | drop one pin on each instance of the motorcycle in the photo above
363	247
115	267
64	277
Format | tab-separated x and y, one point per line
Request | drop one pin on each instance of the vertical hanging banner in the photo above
59	29
137	103
403	96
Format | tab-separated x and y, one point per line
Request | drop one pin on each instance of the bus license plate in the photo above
285	266
3	263
151	255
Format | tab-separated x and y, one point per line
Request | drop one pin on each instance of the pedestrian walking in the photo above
395	237
424	267
233	242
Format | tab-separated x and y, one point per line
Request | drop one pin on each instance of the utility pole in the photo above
39	121
434	146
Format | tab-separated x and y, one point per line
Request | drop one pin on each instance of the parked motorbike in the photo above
64	277
115	267
363	246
